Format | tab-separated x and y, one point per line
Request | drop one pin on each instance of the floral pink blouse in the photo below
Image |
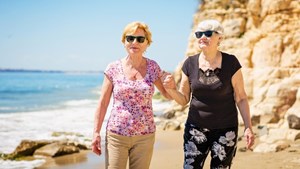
132	112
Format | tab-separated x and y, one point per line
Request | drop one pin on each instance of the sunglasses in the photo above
206	33
139	39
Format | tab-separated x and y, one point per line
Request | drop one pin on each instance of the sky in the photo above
85	35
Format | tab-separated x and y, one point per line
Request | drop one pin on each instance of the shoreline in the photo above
83	159
168	154
166	143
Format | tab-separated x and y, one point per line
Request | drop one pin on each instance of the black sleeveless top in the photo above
212	104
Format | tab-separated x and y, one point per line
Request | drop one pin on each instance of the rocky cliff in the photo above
264	35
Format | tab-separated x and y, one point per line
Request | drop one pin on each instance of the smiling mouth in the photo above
204	42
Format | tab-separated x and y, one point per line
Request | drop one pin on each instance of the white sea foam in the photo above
80	102
21	164
5	108
41	124
76	116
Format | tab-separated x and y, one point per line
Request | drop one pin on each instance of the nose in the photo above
203	36
135	40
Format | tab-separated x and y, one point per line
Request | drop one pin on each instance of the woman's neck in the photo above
210	56
134	61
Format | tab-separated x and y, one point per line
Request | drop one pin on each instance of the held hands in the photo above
248	134
96	144
168	80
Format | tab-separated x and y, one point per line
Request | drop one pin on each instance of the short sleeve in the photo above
190	64
110	71
235	65
155	70
185	66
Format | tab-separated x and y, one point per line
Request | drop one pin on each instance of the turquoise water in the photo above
33	105
29	91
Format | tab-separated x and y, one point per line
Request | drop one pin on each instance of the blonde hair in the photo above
133	26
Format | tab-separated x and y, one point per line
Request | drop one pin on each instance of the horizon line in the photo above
41	70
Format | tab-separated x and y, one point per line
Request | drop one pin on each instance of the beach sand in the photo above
168	154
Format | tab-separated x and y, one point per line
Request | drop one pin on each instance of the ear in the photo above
220	39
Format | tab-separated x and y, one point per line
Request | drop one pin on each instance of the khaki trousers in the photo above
119	148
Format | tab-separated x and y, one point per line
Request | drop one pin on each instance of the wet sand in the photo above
168	154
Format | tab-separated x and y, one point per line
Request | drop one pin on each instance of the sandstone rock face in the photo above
264	35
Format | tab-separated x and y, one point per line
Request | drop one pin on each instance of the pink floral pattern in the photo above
132	112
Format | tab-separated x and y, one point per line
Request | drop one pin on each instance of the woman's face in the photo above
208	40
136	43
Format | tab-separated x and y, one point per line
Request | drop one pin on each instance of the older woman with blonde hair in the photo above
130	130
212	82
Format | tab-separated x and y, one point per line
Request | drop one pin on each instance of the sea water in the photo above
33	105
24	91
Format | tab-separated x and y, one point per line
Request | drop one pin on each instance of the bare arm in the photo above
106	91
158	84
243	105
181	96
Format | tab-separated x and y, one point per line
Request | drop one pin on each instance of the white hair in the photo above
210	25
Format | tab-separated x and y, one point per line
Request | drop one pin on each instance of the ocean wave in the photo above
40	124
80	102
6	108
77	116
8	164
23	91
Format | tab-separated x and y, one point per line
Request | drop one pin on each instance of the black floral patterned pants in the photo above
198	142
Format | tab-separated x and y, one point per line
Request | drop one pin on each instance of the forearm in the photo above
178	96
104	100
99	118
244	109
98	122
166	95
181	96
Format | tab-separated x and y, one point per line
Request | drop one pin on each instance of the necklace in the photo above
211	64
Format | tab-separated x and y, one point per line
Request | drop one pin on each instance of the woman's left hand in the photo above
168	80
250	138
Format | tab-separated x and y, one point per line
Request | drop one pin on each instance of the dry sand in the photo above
168	154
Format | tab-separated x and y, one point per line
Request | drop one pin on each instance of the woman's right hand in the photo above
96	144
169	82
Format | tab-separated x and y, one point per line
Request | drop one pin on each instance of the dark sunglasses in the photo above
206	33
139	39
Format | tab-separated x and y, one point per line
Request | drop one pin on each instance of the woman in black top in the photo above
212	82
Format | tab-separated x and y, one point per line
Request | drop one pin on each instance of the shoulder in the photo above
190	64
229	57
114	64
153	69
113	67
151	62
231	63
191	59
